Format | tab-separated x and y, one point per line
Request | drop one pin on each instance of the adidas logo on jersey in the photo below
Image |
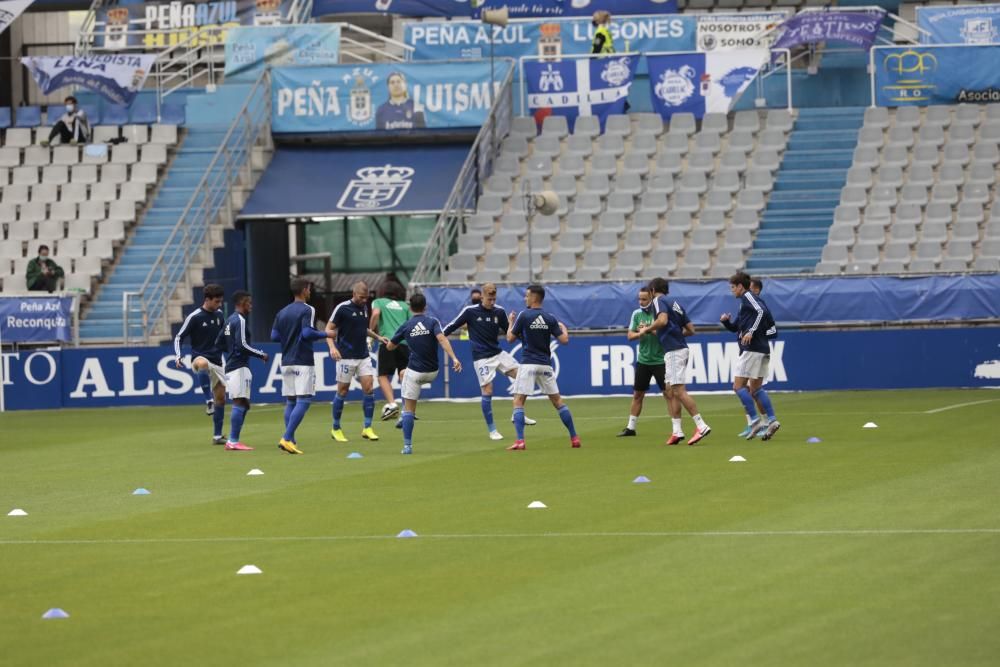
419	330
539	323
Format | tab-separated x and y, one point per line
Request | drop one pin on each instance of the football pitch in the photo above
871	547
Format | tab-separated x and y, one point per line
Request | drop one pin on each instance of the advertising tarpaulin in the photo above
701	83
964	24
579	87
459	8
250	49
737	31
853	28
118	78
921	75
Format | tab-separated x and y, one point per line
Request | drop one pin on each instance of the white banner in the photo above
730	73
10	10
736	31
118	78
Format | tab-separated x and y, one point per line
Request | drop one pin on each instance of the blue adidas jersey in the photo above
671	336
391	116
202	328
755	319
535	328
294	327
351	321
420	332
236	342
486	325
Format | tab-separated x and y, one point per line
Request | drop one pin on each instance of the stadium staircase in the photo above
806	192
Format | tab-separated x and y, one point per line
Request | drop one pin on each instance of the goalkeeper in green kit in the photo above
649	365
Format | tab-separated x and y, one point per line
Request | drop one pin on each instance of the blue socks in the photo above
765	401
519	422
567	419
205	382
338	410
369	406
218	417
747	400
236	423
289	406
486	402
407	418
295	418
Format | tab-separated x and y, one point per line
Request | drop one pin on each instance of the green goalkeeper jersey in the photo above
392	315
650	350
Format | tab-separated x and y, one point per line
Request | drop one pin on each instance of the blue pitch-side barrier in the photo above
589	365
800	300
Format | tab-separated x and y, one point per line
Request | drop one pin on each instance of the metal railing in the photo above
145	313
468	185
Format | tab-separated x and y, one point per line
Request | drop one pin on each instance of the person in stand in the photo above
604	43
72	127
43	274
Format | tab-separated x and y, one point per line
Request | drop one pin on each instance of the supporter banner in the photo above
411	96
854	28
117	78
249	50
456	8
579	87
701	83
909	76
158	25
42	319
10	10
465	40
964	24
736	31
588	365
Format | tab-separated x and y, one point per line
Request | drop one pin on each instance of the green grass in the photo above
875	547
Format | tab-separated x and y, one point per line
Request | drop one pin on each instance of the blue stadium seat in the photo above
5	118
115	114
28	117
172	114
144	111
54	112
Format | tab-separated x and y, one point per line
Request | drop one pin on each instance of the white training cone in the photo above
255	472
17	512
737	459
249	569
870	425
537	505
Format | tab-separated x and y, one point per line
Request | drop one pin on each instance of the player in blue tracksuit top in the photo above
756	287
535	328
672	326
486	322
239	380
423	335
202	327
295	328
348	332
753	326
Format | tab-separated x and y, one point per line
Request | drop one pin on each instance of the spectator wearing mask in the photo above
73	127
43	274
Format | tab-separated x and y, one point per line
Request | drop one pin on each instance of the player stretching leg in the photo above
754	324
349	326
650	363
672	326
534	327
423	335
239	380
203	327
389	312
295	328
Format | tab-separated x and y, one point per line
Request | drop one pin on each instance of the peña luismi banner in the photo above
922	75
382	97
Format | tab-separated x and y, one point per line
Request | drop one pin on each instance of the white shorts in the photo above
530	375
298	380
676	363
348	369
216	373
413	380
752	365
486	369
239	382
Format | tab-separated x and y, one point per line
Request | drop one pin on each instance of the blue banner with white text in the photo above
701	83
922	75
36	319
117	78
382	97
588	366
579	87
459	8
963	24
249	50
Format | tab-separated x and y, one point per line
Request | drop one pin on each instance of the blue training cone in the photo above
641	479
141	492
813	440
355	455
407	533
55	612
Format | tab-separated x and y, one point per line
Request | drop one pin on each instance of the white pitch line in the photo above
960	405
874	532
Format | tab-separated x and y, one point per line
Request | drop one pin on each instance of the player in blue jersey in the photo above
348	332
486	322
239	380
534	328
398	113
672	326
753	326
756	287
295	328
423	335
202	327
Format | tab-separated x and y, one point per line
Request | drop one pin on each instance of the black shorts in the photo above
391	362
644	373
